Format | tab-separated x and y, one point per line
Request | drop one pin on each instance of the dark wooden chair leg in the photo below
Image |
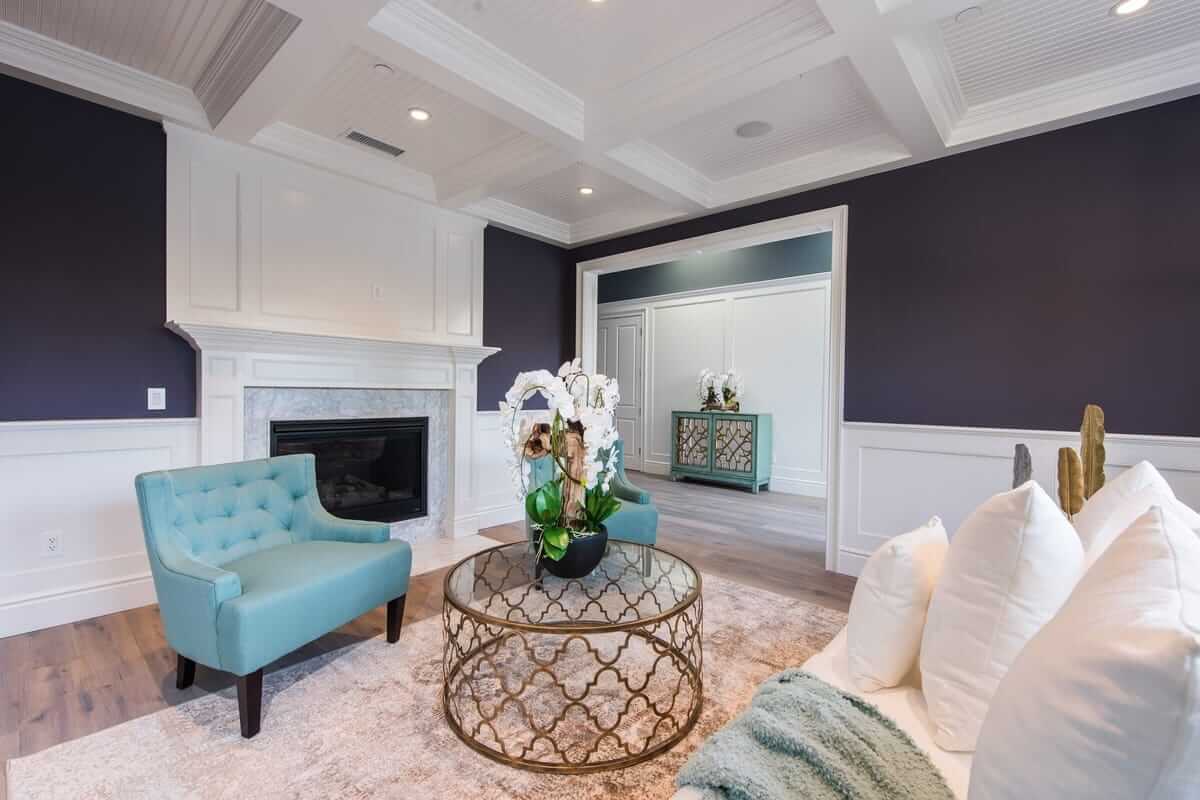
249	688
185	672
395	618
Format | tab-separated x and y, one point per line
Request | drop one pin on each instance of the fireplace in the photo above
372	469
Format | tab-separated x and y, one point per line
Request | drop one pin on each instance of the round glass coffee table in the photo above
572	676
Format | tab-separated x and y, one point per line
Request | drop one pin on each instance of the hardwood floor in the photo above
62	683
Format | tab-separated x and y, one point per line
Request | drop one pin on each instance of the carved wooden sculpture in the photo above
1070	481
1022	465
1091	435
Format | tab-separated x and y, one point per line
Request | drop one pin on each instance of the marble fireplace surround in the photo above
245	375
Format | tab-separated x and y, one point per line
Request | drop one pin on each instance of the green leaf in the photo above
544	504
555	541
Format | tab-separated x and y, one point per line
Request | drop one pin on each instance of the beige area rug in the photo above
367	721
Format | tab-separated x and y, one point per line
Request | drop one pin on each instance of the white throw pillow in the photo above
1104	703
887	611
1010	567
1122	500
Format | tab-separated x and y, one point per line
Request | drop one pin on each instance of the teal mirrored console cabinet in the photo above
722	446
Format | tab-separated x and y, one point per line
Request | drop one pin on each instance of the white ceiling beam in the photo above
681	183
872	49
425	42
507	215
31	55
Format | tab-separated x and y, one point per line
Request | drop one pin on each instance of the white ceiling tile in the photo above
557	196
355	96
822	110
1018	45
594	48
172	39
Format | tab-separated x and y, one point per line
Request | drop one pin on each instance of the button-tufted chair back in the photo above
220	513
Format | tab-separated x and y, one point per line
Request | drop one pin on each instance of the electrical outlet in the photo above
156	398
52	544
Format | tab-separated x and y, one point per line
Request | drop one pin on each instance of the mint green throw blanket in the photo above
802	739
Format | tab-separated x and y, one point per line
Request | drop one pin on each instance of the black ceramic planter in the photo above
581	557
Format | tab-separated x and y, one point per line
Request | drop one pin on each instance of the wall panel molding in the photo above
75	478
894	477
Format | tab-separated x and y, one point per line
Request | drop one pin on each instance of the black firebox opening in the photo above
372	469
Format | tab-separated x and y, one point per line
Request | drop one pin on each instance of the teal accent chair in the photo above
249	566
637	519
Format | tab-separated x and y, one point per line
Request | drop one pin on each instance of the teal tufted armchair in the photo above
248	566
637	519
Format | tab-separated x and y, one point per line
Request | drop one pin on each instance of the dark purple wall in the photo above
1009	286
83	263
528	311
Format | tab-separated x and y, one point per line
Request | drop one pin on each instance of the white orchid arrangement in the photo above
580	438
719	390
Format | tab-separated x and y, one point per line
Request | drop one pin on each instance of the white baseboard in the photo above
73	603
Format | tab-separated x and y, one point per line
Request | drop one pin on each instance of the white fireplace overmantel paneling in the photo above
258	241
232	359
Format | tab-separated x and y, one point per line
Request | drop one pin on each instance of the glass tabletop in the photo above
633	585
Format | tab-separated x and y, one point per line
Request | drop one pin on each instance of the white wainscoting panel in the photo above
894	477
776	334
496	502
259	241
76	479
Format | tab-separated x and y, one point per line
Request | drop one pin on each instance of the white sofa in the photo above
904	704
1124	644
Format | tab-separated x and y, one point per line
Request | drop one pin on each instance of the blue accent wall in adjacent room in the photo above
528	311
804	255
83	263
1009	286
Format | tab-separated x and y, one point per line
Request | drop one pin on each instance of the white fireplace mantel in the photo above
233	358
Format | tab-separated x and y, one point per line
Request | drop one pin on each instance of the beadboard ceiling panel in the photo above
557	195
1017	45
593	48
171	39
809	114
357	96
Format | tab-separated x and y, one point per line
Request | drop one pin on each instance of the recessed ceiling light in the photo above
383	69
753	129
419	114
968	14
585	190
1127	7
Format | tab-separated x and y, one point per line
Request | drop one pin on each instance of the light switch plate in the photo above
156	398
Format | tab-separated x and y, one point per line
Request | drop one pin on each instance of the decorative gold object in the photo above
1091	451
1070	481
572	676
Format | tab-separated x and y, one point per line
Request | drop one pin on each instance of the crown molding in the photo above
62	63
435	36
255	37
227	339
659	166
1099	93
343	159
621	221
522	219
924	55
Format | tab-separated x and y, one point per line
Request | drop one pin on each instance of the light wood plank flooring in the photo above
62	683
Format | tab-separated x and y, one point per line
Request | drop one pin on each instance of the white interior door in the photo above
620	354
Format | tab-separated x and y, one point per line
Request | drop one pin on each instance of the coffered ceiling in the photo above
644	102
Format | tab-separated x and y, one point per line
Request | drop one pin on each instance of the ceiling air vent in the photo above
358	137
